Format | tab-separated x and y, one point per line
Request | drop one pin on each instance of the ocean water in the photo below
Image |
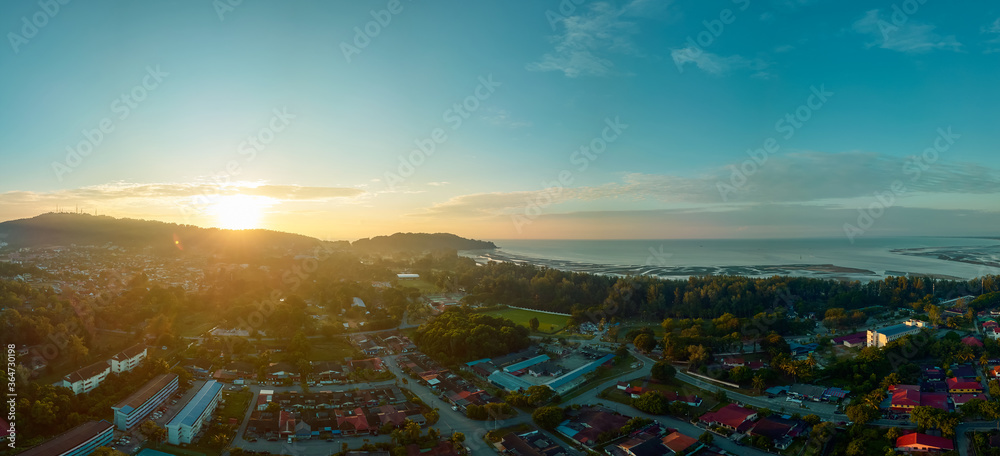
866	258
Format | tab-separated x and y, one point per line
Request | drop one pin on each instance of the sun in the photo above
239	212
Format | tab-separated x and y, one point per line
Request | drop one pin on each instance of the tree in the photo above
861	413
644	342
533	323
697	354
652	402
663	371
706	438
856	448
548	417
812	419
76	349
758	383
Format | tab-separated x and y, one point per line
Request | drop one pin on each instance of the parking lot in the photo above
130	442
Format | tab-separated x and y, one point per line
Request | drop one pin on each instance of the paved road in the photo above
823	410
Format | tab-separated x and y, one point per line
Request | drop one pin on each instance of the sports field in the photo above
547	323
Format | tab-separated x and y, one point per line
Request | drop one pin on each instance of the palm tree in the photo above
758	383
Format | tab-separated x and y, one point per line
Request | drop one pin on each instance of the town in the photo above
123	351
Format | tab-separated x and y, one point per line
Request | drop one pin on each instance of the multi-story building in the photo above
133	409
882	336
79	441
127	359
186	424
87	378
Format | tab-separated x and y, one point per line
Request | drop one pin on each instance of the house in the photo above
807	392
352	423
689	399
86	379
781	431
923	443
532	443
962	399
856	340
677	442
731	416
588	423
906	397
733	361
962	385
127	359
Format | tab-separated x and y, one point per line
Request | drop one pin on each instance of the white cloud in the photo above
588	39
799	178
992	44
715	64
502	118
910	36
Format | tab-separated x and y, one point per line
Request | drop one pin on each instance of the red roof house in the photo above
923	442
731	416
961	385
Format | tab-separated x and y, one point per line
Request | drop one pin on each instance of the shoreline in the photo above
806	270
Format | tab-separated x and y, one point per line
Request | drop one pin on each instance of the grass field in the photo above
547	323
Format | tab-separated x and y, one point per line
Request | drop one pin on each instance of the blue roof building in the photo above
183	427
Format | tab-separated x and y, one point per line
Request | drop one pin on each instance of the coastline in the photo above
934	262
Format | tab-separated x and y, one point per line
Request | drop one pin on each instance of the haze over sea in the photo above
866	259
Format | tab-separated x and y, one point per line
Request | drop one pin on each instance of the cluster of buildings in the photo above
86	379
328	372
80	268
452	388
330	414
131	412
935	390
781	430
654	440
382	343
636	391
507	371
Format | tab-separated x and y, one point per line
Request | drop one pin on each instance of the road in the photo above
823	410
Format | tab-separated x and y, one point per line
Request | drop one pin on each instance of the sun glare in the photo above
239	212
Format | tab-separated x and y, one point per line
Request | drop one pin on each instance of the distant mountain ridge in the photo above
420	242
65	229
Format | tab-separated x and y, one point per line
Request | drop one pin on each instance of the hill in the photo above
419	242
64	229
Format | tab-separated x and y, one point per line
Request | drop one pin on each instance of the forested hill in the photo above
419	242
65	229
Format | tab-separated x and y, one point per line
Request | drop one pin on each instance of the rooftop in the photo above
145	392
194	408
70	439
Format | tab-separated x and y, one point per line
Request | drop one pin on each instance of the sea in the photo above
864	259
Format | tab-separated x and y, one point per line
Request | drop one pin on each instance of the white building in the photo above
187	423
881	337
87	378
141	403
128	358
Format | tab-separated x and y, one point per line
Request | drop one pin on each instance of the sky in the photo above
513	119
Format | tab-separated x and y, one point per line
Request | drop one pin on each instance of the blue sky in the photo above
873	85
